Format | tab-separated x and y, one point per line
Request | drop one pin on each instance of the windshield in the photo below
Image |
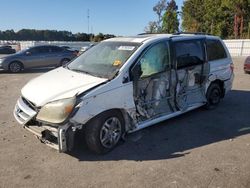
105	59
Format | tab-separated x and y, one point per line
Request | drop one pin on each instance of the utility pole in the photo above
92	30
88	19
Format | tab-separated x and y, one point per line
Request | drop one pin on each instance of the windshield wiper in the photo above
82	71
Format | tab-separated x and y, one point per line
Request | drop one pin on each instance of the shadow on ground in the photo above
176	137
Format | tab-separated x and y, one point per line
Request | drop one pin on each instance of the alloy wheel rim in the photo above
15	67
110	132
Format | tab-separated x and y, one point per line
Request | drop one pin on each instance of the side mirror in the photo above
136	72
28	53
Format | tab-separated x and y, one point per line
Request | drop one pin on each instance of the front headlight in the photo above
57	111
1	60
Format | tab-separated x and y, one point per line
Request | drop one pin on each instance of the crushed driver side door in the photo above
153	94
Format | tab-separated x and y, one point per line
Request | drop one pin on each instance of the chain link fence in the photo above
238	47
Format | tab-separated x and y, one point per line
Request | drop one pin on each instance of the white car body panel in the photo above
105	98
58	84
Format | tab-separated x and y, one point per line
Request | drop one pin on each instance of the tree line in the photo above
51	35
224	18
167	18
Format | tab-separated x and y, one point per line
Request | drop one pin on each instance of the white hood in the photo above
58	84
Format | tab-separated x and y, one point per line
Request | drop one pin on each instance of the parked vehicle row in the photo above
150	78
247	65
85	48
38	56
7	50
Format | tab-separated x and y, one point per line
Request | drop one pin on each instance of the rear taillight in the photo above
232	67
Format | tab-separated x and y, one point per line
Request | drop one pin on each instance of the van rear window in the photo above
189	53
215	50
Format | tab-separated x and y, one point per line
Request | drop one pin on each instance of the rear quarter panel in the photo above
220	69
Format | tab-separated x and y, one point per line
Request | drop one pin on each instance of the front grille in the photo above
23	112
29	103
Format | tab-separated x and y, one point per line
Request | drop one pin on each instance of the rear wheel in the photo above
15	67
213	95
103	133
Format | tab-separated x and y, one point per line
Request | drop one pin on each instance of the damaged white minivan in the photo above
123	85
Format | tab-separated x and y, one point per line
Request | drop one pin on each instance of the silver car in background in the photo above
38	56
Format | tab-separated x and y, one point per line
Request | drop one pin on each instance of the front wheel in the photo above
213	96
103	133
15	67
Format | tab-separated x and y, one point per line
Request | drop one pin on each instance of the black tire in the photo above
64	61
15	67
213	96
101	138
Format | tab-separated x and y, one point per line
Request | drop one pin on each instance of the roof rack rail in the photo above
194	33
146	33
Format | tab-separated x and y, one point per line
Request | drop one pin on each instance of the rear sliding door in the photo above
192	72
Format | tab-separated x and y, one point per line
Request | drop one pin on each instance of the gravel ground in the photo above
198	149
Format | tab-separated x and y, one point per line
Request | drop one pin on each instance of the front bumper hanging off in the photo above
60	138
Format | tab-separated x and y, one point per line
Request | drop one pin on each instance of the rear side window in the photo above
39	50
189	53
215	50
44	49
34	50
56	49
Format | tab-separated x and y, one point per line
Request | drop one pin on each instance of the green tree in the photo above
192	13
216	17
170	18
159	9
9	34
156	26
51	35
98	37
151	28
